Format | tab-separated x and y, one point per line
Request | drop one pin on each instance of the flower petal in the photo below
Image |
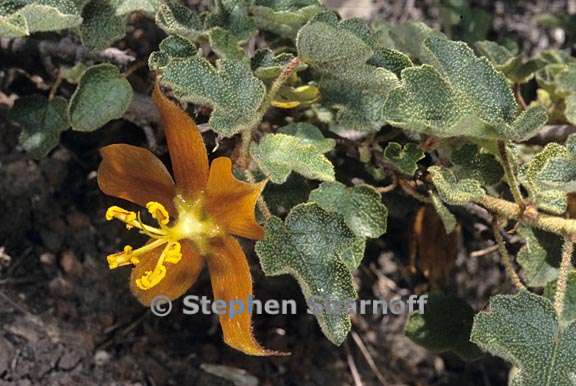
135	174
232	202
232	282
179	277
185	144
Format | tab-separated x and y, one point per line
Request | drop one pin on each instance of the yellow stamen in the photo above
126	216
158	212
192	224
171	254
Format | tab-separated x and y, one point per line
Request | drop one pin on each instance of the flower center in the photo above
192	223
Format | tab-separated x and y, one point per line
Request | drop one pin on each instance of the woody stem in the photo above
509	173
565	266
506	260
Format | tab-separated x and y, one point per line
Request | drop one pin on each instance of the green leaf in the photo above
539	257
570	109
330	45
268	66
21	18
524	330
470	162
405	158
459	95
284	17
125	7
310	135
230	88
101	26
175	18
444	326
448	219
280	154
550	175
309	245
355	90
360	206
42	121
101	96
358	97
569	312
453	191
233	16
225	44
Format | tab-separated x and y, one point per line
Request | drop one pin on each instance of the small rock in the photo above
70	264
48	258
101	357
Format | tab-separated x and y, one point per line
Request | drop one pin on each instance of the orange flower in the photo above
197	216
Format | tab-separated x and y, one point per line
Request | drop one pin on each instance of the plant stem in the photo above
565	266
276	85
506	260
509	173
510	210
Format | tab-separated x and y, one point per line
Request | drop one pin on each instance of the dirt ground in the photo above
65	319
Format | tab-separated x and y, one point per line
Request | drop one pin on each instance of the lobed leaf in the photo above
539	257
101	25
284	17
280	154
19	18
524	330
569	311
444	326
453	191
101	96
176	19
458	94
404	158
470	162
311	245
42	121
360	206
230	88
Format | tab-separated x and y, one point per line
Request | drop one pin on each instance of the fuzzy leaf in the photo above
551	174
405	158
329	45
358	96
125	7
471	163
459	95
21	18
225	44
280	154
453	191
569	312
360	206
539	257
101	96
524	330
448	219
41	121
339	52
309	245
310	135
284	17
230	88
101	26
445	325
268	66
177	19
232	15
